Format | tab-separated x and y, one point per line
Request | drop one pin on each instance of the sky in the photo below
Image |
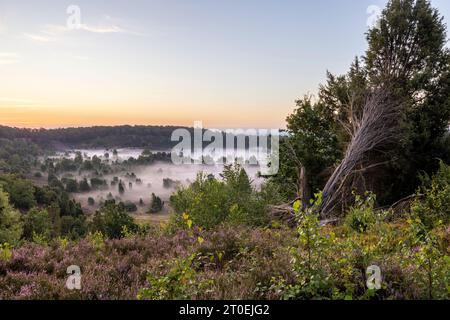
229	63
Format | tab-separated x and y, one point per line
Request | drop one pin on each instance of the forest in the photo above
364	180
94	137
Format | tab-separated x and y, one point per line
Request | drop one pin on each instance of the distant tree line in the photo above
153	137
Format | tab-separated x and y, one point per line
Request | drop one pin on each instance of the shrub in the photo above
156	205
205	201
435	205
97	183
361	216
129	206
111	219
91	201
71	185
73	227
10	222
179	283
38	174
312	279
21	192
84	186
210	201
121	188
5	252
431	266
37	224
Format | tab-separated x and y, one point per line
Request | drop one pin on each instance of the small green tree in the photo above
111	219
37	223
361	216
71	185
156	204
91	201
84	185
434	208
312	278
210	201
10	222
21	193
432	266
204	200
121	188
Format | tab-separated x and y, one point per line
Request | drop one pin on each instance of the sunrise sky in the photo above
230	64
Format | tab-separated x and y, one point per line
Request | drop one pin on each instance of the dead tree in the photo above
375	132
302	188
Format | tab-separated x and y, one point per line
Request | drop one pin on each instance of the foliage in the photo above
17	155
312	143
91	201
407	54
84	186
37	223
417	64
129	206
179	283
361	215
210	201
434	208
111	219
245	263
74	227
156	204
121	188
431	266
71	185
21	192
312	281
10	224
5	252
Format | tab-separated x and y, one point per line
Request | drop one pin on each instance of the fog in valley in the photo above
139	181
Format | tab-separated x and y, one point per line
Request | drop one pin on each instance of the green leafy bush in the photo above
435	205
156	204
37	224
111	219
431	267
91	201
312	279
210	201
5	252
361	215
21	192
10	223
178	284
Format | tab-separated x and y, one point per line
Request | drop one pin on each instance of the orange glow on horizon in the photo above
51	118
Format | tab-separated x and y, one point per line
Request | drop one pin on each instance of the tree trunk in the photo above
304	189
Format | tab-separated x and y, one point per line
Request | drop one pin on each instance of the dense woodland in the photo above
151	137
155	137
364	179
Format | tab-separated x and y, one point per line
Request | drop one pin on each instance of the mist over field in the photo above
140	181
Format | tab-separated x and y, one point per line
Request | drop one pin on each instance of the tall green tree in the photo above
408	52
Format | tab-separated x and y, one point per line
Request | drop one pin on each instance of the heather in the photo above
276	262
